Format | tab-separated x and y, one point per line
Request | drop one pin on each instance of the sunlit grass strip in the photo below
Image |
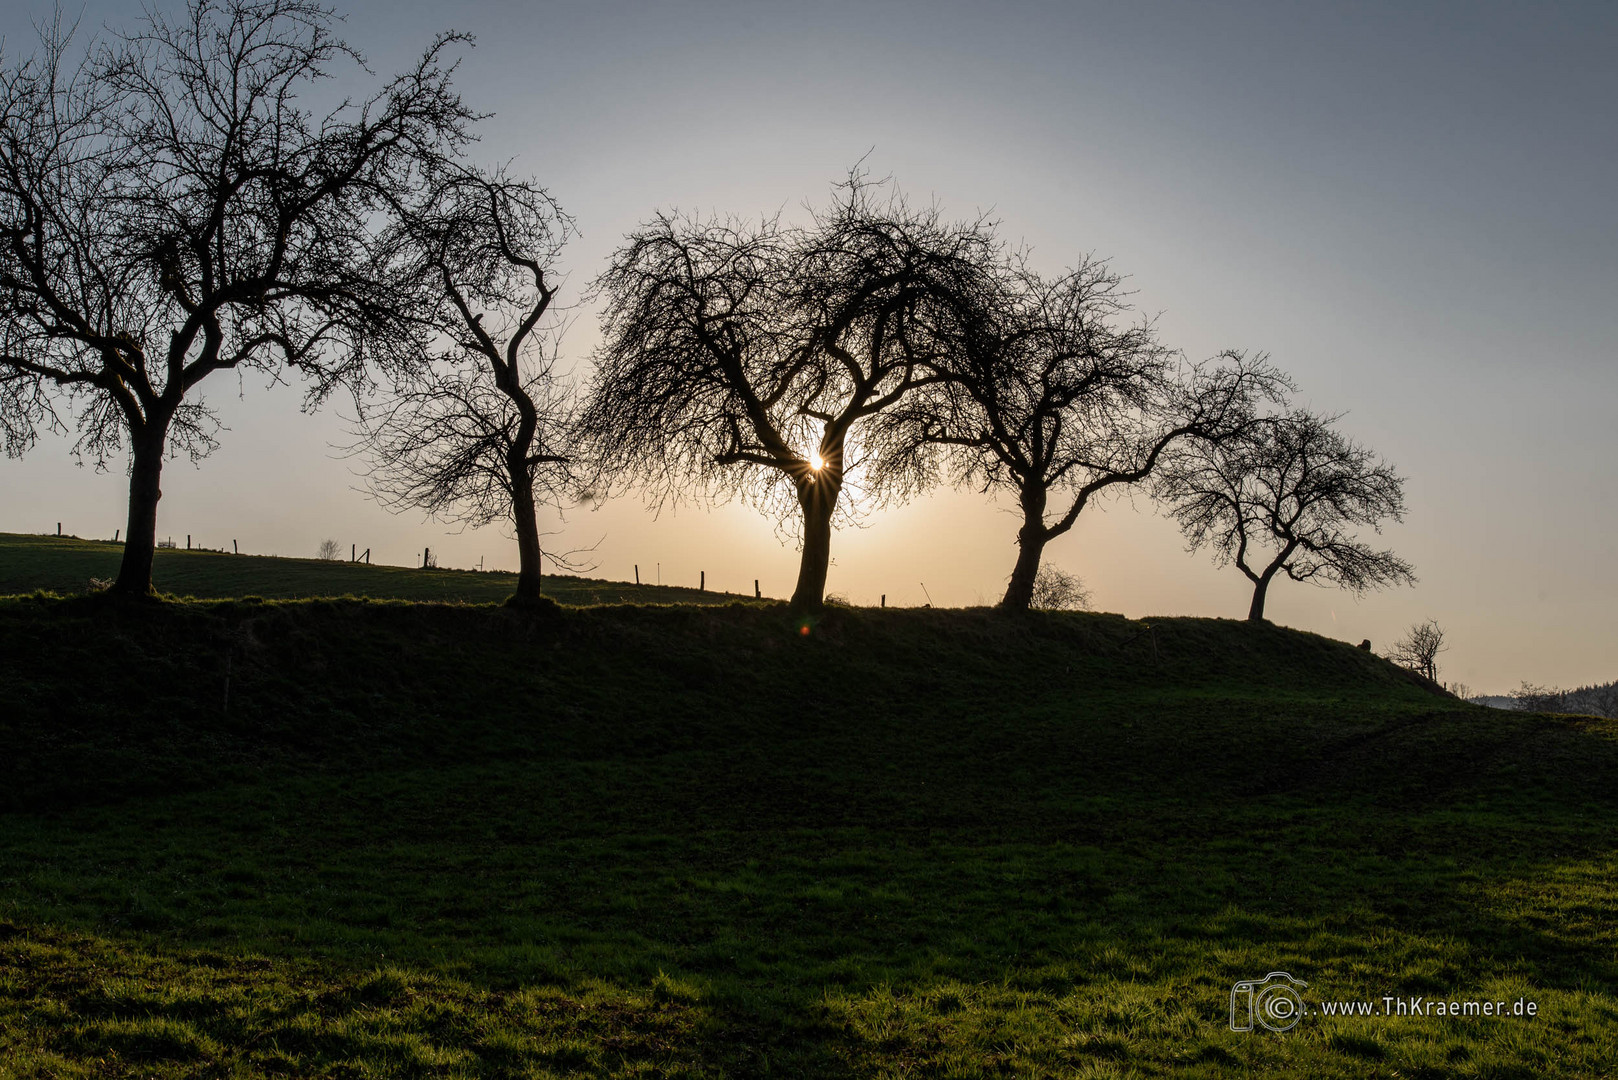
77	1005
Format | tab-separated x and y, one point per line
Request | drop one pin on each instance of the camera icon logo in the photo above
1272	1002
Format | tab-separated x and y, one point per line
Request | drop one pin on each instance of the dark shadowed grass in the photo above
67	565
416	840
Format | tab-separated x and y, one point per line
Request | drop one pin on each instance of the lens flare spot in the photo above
803	631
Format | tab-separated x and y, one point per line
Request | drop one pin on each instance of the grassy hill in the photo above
66	565
351	838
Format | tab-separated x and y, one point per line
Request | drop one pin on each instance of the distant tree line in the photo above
1586	700
171	207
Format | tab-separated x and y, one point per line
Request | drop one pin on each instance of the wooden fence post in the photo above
234	549
756	594
884	599
702	582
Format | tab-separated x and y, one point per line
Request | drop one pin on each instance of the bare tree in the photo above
169	208
1284	496
1057	590
1530	697
328	551
1418	650
480	435
1047	395
747	359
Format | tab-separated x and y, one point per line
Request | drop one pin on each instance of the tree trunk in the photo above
818	497
529	566
1020	590
1256	612
1261	583
145	488
1031	541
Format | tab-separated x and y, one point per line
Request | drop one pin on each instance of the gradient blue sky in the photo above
1411	208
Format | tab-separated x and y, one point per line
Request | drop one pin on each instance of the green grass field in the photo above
353	838
67	565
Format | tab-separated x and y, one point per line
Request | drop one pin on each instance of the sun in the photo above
816	462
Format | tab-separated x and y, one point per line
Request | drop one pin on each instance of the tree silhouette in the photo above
748	359
1418	650
479	435
1284	496
1045	394
169	209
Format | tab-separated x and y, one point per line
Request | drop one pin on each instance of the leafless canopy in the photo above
1051	394
1286	495
443	448
749	358
479	434
694	391
170	208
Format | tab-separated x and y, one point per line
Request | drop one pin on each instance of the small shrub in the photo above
1057	590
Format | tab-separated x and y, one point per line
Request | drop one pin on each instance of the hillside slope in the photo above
359	838
326	683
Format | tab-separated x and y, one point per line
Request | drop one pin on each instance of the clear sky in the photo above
1410	207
